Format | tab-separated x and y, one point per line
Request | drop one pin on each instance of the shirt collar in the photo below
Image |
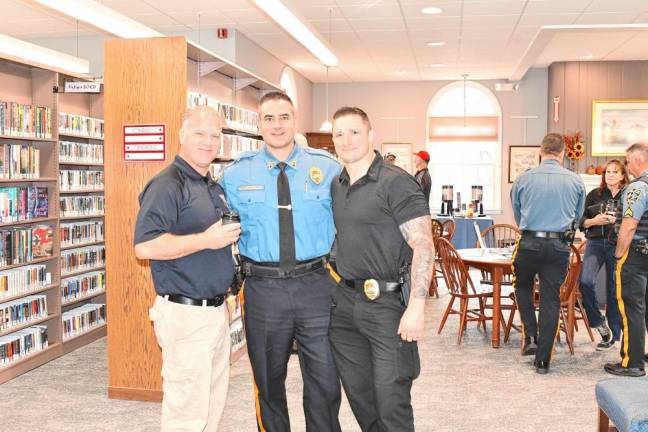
188	170
372	172
291	160
550	161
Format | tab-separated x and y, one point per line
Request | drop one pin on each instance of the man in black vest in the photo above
632	265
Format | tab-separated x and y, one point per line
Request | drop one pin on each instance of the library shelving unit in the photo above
80	159
149	82
27	119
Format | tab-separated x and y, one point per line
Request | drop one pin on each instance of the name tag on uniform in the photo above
251	187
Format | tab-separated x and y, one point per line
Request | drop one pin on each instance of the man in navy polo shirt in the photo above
179	229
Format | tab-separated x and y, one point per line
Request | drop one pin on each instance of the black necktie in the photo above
286	229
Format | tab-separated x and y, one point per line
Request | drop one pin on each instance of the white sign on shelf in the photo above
144	143
82	87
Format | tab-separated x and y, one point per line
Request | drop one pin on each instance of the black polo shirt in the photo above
180	201
367	216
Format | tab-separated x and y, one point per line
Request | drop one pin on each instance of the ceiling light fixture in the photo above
431	10
21	51
400	72
436	44
298	30
437	65
102	17
589	56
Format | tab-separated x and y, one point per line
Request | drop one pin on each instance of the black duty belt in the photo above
544	234
177	298
272	270
640	246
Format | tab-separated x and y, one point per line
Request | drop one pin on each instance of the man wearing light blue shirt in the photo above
283	195
546	201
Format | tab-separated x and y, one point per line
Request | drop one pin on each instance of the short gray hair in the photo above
201	110
552	144
639	148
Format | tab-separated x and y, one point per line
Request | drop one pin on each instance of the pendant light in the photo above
327	126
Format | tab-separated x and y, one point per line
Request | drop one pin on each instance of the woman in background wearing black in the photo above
598	224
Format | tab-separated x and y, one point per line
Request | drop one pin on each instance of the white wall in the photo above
386	100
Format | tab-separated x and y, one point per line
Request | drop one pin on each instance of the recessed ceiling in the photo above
385	40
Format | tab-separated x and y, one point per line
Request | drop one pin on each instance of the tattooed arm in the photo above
418	234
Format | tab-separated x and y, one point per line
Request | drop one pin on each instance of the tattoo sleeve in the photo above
418	234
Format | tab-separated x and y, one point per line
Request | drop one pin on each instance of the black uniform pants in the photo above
549	259
632	288
376	366
275	312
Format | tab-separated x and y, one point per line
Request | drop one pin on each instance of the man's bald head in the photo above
200	137
199	114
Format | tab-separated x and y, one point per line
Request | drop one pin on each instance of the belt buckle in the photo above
371	289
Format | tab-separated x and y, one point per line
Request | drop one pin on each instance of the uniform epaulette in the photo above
319	152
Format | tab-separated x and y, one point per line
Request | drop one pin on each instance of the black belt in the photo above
385	286
272	270
177	298
544	234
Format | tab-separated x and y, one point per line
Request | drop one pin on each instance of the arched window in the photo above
464	140
287	84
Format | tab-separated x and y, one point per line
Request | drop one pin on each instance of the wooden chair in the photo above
500	236
449	228
461	287
582	315
433	290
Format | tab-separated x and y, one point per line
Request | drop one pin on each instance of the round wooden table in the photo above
498	263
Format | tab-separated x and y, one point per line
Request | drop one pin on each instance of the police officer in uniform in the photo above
384	226
546	201
632	265
179	229
282	193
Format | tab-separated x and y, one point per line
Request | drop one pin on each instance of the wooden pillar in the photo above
145	83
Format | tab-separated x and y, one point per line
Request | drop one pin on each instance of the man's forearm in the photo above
169	246
418	234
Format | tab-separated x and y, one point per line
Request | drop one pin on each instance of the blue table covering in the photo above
465	236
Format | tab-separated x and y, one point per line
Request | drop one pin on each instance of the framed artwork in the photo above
522	158
617	124
403	153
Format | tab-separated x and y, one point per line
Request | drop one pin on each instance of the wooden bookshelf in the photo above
82	299
82	271
78	245
83	164
71	135
73	218
84	338
31	85
160	72
81	191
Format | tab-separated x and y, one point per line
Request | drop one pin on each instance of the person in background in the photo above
179	229
546	200
632	265
390	158
422	176
598	224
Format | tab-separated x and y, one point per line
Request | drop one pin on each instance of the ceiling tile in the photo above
483	21
538	20
433	22
555	6
493	7
377	24
597	6
607	18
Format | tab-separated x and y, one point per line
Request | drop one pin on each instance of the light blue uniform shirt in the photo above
547	198
635	202
250	185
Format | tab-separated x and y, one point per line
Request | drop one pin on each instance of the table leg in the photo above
497	291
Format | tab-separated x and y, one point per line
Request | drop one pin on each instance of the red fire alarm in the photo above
222	33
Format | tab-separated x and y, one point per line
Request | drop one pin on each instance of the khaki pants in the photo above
195	344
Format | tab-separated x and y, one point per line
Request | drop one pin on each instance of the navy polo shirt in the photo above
180	201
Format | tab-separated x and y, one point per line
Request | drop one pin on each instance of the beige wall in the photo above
386	100
578	83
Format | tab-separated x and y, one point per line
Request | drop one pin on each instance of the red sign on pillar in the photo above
145	143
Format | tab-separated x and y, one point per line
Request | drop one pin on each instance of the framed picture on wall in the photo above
617	124
403	153
522	158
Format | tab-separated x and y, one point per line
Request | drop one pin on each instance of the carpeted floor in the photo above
461	388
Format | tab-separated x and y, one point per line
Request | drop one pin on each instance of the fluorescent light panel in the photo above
19	50
102	17
298	30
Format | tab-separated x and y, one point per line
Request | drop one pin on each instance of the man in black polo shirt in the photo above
179	229
383	225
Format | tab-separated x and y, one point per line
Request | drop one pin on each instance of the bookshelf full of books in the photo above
81	230
30	311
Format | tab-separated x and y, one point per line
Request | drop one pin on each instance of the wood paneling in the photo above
579	83
145	82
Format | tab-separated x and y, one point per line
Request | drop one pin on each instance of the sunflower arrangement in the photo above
574	146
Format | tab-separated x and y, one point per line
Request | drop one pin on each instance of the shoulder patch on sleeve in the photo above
632	196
